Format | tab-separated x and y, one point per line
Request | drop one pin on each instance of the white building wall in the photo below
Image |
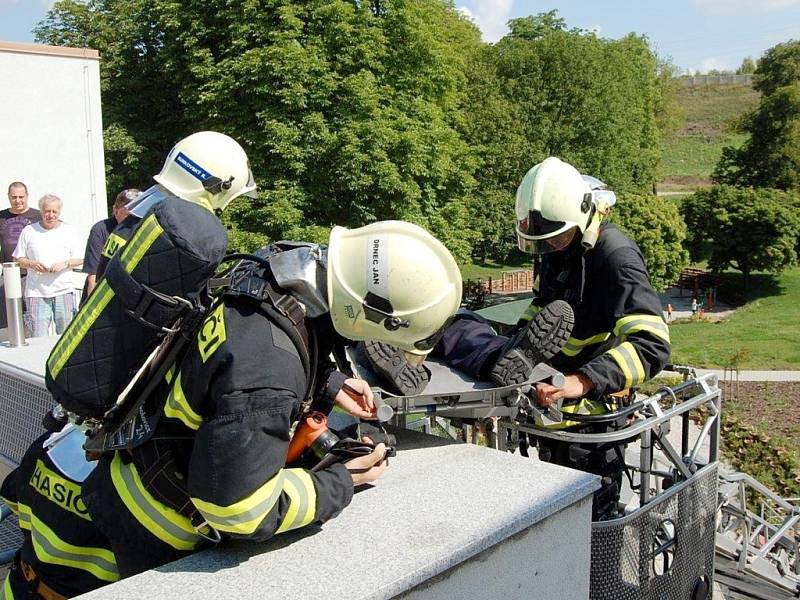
51	129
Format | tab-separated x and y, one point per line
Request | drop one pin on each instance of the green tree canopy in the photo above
747	67
748	229
770	157
656	225
588	100
547	90
348	110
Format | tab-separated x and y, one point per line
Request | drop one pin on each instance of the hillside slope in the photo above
692	151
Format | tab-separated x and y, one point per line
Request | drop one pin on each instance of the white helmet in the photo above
207	168
393	282
552	200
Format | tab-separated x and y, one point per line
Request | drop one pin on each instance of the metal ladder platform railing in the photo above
758	555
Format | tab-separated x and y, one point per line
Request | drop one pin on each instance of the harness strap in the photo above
160	473
144	304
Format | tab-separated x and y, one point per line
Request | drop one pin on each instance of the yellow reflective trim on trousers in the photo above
302	500
575	345
131	255
627	358
7	593
10	504
633	323
166	524
53	550
244	516
177	406
530	312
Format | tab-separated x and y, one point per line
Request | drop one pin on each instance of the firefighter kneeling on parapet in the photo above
204	457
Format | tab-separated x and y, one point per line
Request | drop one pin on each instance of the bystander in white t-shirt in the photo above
49	246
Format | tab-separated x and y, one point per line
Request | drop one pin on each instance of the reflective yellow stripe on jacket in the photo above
635	323
244	516
177	406
627	358
53	550
575	346
6	593
584	406
166	524
132	254
10	504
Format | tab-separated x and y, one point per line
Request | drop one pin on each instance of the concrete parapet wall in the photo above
447	520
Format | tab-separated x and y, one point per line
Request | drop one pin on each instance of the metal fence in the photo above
724	79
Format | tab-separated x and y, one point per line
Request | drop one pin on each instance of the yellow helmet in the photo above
393	282
552	200
208	168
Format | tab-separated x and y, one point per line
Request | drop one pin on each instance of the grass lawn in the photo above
692	157
763	334
691	153
484	270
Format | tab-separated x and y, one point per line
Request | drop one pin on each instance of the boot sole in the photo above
390	364
543	338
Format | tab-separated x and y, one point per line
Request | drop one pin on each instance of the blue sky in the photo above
696	34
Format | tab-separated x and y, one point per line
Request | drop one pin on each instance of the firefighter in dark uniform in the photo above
618	339
221	416
215	467
63	554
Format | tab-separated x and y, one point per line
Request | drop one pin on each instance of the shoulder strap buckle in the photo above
290	308
150	300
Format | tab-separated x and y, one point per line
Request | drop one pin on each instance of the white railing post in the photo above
13	287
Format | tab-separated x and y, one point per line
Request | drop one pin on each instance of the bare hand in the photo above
356	398
575	386
58	267
373	462
37	266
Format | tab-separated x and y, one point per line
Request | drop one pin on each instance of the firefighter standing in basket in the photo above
618	340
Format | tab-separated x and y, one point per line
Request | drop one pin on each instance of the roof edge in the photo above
25	48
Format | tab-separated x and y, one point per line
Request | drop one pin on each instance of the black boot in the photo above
392	366
539	340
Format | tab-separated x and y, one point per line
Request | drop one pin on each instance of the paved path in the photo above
753	375
681	301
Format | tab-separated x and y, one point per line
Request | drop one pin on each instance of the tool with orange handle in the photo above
312	438
311	434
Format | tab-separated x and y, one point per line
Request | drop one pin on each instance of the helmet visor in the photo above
535	225
555	243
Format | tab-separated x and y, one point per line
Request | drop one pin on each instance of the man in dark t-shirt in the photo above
98	239
12	221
